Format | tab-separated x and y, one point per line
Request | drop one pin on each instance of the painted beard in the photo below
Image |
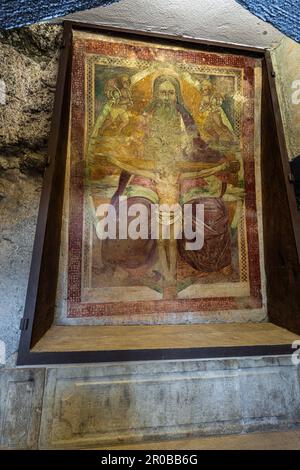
164	136
164	111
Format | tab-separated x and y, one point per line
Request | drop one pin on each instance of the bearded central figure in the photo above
168	135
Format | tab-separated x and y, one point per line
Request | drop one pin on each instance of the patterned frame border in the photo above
76	308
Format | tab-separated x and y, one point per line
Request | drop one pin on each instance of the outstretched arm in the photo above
123	180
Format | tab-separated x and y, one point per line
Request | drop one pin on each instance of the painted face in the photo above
206	88
225	86
167	92
125	81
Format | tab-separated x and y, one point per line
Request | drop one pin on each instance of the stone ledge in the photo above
134	402
102	405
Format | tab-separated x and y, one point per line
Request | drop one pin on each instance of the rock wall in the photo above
29	59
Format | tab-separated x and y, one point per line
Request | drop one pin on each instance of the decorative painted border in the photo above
83	47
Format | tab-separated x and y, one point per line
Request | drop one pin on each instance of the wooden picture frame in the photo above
281	239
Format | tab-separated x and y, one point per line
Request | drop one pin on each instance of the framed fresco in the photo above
155	199
161	125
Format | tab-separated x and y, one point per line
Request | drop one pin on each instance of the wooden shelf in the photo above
108	338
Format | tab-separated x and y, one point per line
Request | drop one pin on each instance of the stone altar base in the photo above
120	403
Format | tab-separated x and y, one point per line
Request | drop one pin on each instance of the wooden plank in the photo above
275	440
281	257
39	304
180	40
105	338
279	130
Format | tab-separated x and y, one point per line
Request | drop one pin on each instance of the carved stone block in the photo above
120	403
21	394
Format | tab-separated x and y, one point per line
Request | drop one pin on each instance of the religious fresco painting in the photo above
159	125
